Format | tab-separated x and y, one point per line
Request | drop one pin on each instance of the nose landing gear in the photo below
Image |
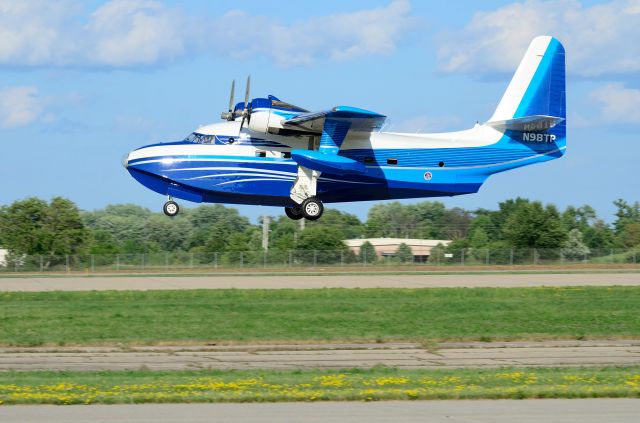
171	208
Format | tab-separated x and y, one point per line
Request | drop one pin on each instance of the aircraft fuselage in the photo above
253	168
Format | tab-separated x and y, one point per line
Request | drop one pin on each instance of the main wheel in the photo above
294	212
312	208
171	208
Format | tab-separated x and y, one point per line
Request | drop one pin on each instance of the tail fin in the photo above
538	86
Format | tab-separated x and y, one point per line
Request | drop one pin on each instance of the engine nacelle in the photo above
260	121
265	121
267	114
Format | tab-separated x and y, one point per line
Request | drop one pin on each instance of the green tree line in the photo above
36	227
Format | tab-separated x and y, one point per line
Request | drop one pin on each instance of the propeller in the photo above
246	113
230	115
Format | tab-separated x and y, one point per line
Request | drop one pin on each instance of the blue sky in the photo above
82	83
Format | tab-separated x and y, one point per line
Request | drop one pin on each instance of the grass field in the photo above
314	385
228	316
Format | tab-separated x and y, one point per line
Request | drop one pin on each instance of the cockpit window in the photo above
200	138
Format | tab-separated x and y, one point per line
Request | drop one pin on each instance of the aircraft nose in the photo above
125	160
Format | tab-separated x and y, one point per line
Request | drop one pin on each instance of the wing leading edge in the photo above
358	119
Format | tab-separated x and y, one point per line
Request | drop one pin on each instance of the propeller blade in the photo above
246	113
230	115
246	93
233	92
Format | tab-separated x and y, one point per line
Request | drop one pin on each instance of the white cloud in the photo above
600	39
33	32
342	36
137	32
619	103
125	33
21	106
337	37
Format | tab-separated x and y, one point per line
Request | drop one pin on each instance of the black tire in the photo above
312	208
294	213
171	208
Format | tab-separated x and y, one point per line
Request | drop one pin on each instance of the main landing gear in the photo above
294	213
171	208
310	209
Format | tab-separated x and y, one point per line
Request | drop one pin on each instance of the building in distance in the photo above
387	247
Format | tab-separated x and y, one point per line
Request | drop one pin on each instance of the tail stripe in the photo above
538	86
545	94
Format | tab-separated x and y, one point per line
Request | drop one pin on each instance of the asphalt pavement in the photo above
373	280
328	356
477	411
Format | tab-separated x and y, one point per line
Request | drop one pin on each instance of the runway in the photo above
285	281
449	355
495	411
335	356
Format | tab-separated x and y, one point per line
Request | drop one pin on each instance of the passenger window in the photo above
261	154
286	155
368	160
392	161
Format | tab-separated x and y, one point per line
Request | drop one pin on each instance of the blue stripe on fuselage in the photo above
252	179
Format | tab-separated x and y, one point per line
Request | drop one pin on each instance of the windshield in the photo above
200	138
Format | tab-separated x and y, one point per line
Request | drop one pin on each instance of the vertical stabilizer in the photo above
538	86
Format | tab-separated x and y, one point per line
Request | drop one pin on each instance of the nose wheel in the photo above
171	208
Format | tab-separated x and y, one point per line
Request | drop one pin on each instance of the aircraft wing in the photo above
334	124
358	119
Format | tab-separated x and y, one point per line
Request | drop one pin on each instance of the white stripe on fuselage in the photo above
478	136
241	169
256	180
222	175
521	79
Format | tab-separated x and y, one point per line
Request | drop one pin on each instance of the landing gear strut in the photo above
312	208
303	193
171	208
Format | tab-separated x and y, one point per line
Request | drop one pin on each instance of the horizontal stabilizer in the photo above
322	162
537	123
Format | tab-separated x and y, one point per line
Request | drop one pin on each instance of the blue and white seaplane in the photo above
270	152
